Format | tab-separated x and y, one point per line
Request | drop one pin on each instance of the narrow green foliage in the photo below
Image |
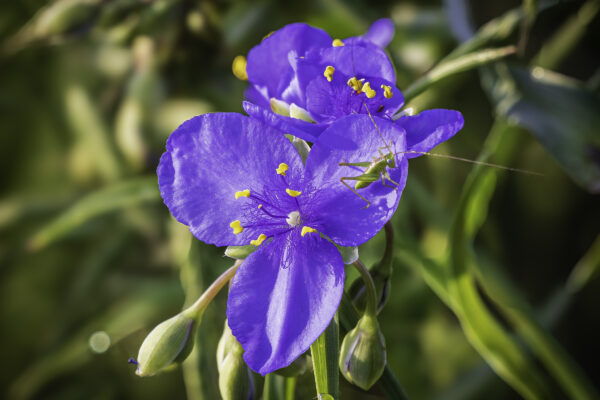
449	67
108	199
325	353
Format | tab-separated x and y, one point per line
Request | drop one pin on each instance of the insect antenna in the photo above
364	102
483	163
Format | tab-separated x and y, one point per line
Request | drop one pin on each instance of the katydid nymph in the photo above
376	169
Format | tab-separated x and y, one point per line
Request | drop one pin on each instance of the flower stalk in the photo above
371	292
171	341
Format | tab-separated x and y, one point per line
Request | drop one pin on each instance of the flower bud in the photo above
362	355
225	345
235	379
169	342
300	365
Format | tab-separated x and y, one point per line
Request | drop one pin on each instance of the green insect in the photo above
374	171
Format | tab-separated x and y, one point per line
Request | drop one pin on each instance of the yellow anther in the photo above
282	168
355	84
370	93
239	68
260	206
307	229
293	193
387	91
242	193
261	238
329	73
237	227
337	43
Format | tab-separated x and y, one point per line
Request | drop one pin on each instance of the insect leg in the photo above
356	164
346	178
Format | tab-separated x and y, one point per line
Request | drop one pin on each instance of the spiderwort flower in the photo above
235	181
301	81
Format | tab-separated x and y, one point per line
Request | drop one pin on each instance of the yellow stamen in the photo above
260	206
355	84
261	238
242	193
329	73
293	193
307	229
282	168
387	91
239	68
337	43
237	227
370	93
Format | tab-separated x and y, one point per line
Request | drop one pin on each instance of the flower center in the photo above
293	219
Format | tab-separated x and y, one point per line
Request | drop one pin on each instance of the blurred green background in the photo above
90	259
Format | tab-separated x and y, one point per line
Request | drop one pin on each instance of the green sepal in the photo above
349	254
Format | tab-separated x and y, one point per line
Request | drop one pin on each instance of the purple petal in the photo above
268	62
380	32
297	127
334	209
426	130
253	95
364	60
208	159
283	297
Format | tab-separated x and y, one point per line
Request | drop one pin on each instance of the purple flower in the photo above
301	81
235	181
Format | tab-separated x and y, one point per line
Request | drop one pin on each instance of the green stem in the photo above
325	354
385	264
274	387
371	292
290	388
210	293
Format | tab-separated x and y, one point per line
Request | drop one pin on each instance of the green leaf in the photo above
483	331
560	113
107	199
129	314
448	67
325	354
